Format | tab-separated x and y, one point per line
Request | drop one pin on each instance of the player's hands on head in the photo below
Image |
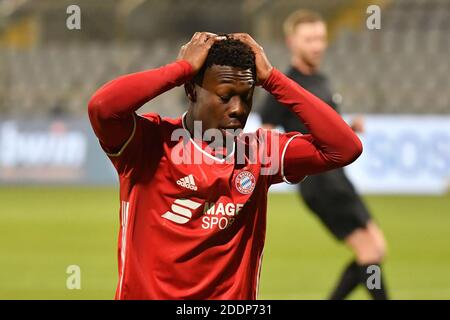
263	66
196	50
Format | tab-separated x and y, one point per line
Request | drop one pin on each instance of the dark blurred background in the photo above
47	69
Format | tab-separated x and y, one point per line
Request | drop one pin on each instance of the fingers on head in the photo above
207	38
241	35
211	40
196	36
203	36
244	37
199	36
210	34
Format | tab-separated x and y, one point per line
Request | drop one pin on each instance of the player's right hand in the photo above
263	66
196	50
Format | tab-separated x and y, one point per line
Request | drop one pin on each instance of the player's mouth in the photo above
230	131
234	124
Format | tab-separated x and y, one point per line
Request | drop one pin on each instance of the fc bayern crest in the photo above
245	182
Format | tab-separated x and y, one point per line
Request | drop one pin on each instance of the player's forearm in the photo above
111	108
332	136
124	95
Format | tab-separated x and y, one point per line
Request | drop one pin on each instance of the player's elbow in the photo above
94	107
353	150
97	108
346	153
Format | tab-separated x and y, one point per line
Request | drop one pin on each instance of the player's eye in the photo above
224	99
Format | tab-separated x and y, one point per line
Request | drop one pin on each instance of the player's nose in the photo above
238	108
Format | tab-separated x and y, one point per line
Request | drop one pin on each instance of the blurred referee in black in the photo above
331	196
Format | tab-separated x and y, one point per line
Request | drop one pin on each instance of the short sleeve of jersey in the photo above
285	171
143	148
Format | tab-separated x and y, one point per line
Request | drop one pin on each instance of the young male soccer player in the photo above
195	229
330	195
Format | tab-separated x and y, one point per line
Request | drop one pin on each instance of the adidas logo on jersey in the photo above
187	182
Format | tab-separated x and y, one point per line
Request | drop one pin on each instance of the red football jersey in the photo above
192	231
193	222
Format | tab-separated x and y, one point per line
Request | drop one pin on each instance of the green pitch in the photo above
46	229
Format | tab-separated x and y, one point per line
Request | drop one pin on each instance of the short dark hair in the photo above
229	52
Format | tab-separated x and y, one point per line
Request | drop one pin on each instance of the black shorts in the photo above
332	197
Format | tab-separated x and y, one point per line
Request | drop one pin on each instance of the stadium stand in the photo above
402	68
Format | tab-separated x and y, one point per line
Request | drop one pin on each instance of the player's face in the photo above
309	42
224	99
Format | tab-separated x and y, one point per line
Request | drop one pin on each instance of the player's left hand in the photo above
263	66
196	50
358	124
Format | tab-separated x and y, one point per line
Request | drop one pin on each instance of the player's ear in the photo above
189	89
